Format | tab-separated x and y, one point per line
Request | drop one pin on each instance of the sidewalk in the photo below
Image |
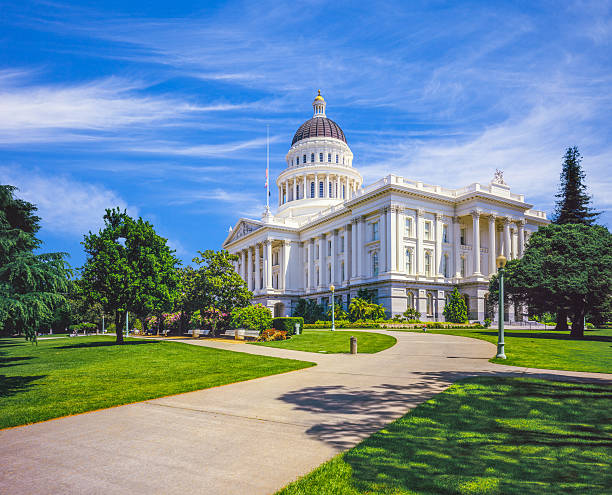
251	437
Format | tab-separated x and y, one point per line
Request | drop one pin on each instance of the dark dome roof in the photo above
318	127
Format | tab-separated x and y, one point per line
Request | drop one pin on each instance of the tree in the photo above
309	310
573	205
455	310
135	275
339	313
565	266
360	309
32	286
255	317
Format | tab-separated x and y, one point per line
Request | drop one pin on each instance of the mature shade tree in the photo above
308	309
128	268
455	310
573	205
32	286
564	266
213	284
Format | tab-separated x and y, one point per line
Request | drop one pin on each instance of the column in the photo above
438	254
304	190
243	271
249	270
257	269
382	235
268	264
311	249
492	250
399	240
360	242
514	243
521	238
456	244
354	273
476	241
338	191
284	263
418	269
280	196
334	256
507	238
295	188
392	239
322	261
326	190
316	187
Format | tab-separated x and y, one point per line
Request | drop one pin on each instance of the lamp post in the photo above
332	288
501	263
121	240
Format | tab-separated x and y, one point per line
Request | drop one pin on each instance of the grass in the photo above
483	436
66	376
548	349
326	341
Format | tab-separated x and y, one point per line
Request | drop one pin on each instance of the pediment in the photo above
243	228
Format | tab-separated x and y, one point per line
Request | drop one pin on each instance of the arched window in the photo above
320	157
428	263
321	189
329	157
312	189
410	299
336	158
429	304
330	189
297	160
375	263
297	191
312	157
409	262
304	159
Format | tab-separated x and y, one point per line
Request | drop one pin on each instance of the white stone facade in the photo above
409	241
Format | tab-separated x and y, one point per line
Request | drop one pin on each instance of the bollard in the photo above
353	345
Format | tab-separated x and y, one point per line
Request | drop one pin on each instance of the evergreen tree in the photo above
456	309
573	205
32	286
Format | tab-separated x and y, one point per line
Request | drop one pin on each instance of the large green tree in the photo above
573	205
564	266
128	268
456	310
32	286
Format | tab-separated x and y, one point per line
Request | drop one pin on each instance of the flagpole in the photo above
267	166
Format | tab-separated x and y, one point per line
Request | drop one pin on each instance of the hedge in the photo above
287	323
389	325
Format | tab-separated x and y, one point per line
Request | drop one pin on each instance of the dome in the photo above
318	127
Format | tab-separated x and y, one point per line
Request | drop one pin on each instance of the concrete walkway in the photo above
245	438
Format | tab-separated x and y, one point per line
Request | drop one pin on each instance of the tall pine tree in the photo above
573	205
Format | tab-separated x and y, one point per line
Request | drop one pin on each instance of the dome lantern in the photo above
319	106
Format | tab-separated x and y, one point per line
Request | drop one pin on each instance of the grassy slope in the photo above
67	376
483	436
549	349
334	342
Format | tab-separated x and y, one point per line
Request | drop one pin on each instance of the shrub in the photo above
487	322
412	314
287	323
271	334
456	310
255	317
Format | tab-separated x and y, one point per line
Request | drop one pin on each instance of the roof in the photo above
318	127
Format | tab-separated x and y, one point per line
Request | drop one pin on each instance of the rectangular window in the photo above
329	157
329	253
297	160
409	227
462	266
304	158
375	264
375	231
330	189
317	252
427	264
312	157
320	157
342	272
462	236
321	190
342	244
297	192
336	158
312	189
408	260
444	233
427	230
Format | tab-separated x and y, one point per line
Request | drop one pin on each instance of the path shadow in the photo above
546	334
106	344
13	385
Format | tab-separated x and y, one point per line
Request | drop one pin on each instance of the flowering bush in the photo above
151	321
171	320
272	334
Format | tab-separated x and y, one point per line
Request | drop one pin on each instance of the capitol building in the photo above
410	242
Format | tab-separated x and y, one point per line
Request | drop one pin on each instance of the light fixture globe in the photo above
500	261
332	288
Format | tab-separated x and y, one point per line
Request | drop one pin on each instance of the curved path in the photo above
250	437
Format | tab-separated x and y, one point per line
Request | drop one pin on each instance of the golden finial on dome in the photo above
319	97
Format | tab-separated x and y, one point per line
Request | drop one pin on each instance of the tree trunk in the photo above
561	319
578	324
119	327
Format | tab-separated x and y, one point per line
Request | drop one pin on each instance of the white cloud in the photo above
66	206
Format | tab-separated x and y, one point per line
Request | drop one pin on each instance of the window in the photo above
321	190
329	253
297	160
462	236
329	277
428	263
375	264
375	231
329	157
445	267
343	191
317	252
427	230
336	158
304	159
318	283
409	226
330	189
342	244
444	233
320	157
297	192
312	189
292	162
429	304
408	260
463	266
342	272
409	299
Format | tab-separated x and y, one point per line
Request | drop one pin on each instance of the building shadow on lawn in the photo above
535	334
6	362
107	344
13	385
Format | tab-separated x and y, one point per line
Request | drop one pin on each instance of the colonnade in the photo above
334	186
255	265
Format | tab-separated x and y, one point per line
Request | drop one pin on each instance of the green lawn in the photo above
483	436
326	341
548	349
73	375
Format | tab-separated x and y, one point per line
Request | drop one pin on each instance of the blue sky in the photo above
161	107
